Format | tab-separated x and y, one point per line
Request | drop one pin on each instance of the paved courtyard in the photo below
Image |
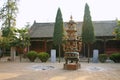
55	71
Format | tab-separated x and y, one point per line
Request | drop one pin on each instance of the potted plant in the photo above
32	55
43	56
102	57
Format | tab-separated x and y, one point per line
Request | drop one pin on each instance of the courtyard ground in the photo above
26	70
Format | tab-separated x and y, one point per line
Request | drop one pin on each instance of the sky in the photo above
43	11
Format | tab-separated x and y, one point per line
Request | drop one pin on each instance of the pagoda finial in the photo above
71	17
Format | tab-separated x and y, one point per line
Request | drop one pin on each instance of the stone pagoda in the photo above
72	46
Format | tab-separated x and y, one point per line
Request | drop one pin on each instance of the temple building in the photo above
41	37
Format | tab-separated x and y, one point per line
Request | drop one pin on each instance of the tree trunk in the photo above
21	53
59	53
3	51
84	50
88	53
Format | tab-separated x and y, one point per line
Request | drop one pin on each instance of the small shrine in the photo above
72	46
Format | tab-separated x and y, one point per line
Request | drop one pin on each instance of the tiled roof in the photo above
43	30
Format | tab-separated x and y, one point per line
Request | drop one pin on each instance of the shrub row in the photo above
115	57
32	55
102	58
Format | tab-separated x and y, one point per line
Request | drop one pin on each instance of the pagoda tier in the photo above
73	44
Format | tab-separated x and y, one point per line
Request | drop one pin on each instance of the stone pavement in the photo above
55	71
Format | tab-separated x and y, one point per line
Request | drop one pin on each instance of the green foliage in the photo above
58	29
4	42
8	13
115	57
87	27
6	31
17	37
117	31
43	56
23	38
8	37
102	57
88	36
32	55
8	19
12	36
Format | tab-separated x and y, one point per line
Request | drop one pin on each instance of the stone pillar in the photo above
95	56
53	55
13	53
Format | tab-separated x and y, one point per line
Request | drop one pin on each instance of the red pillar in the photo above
45	45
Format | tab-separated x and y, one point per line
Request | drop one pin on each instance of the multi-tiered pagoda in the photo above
72	46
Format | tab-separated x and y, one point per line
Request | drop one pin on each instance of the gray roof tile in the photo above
43	30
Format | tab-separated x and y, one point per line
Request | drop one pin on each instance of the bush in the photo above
102	57
43	56
32	55
115	57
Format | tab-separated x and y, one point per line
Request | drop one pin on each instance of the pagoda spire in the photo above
71	17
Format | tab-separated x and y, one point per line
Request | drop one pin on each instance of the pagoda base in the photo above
72	66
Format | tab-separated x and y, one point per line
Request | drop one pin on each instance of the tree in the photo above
8	15
58	30
23	41
87	29
8	41
4	43
117	30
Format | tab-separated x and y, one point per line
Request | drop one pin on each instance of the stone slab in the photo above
53	55
95	56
